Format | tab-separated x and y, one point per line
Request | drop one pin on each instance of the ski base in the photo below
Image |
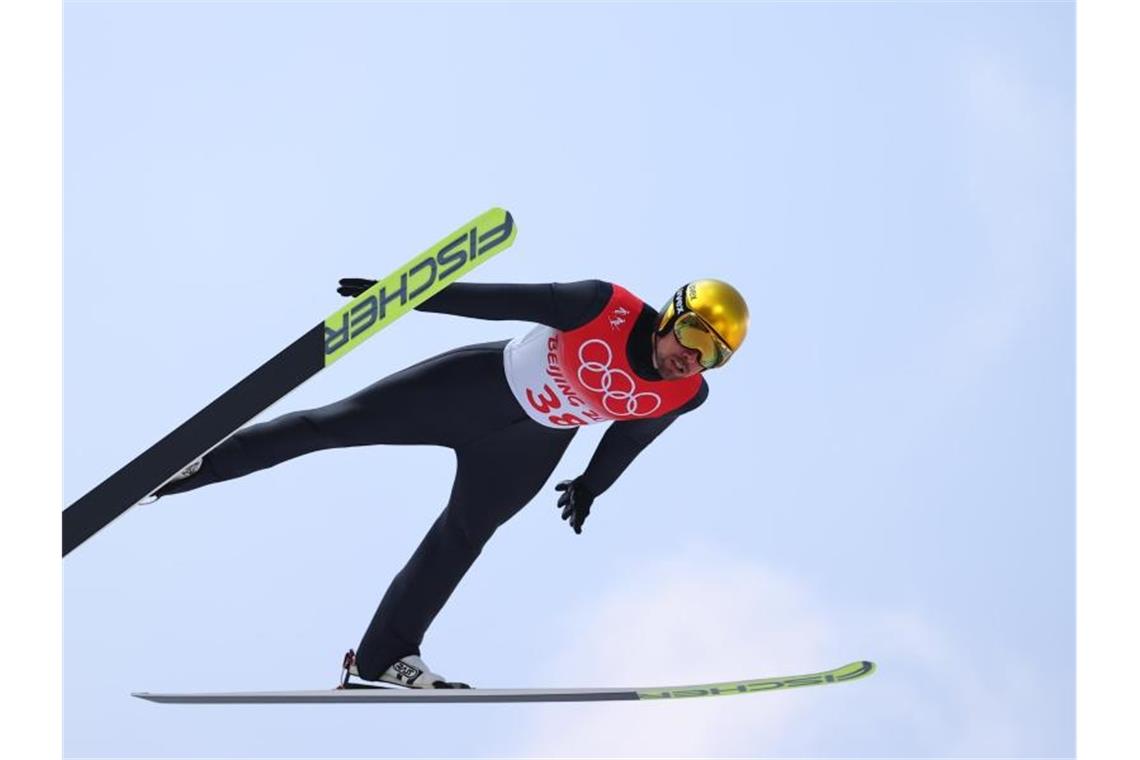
340	332
361	693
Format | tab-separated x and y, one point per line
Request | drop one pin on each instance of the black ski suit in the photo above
459	399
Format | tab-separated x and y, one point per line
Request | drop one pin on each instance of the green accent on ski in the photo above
418	280
848	672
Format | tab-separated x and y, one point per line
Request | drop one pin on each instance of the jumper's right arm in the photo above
563	306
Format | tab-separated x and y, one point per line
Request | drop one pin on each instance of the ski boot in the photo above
185	472
408	671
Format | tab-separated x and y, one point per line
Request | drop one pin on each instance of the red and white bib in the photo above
581	376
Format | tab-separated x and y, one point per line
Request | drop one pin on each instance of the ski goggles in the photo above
692	332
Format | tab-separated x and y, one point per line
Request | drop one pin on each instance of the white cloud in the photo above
687	621
702	617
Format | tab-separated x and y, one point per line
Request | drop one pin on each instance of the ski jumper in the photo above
508	409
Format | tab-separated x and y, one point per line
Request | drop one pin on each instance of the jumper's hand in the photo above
575	502
354	286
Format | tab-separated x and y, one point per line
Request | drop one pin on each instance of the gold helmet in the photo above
709	316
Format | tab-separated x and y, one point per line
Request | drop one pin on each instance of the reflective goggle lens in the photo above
693	333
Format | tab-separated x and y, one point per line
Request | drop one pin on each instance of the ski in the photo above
360	693
346	328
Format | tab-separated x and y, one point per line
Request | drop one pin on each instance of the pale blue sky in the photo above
891	455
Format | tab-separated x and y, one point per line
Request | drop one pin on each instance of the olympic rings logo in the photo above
616	385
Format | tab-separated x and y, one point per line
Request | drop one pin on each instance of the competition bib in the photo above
582	376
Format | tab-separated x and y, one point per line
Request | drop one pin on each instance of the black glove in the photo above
354	286
575	501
